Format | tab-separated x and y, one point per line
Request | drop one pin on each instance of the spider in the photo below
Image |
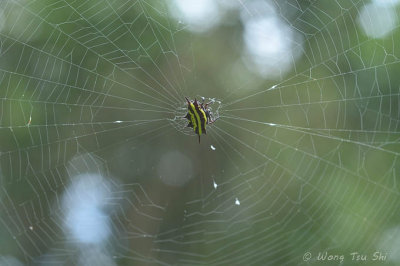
199	116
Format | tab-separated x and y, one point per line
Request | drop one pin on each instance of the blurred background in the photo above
97	166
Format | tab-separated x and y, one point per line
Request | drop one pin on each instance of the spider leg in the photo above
211	122
199	138
207	104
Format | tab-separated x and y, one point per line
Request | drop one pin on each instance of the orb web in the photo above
91	98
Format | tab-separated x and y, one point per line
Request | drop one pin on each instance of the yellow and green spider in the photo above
199	115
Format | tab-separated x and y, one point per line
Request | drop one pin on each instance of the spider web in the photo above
92	95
